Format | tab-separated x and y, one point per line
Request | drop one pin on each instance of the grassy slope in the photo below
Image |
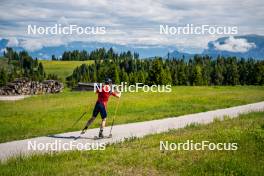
3	62
49	114
62	68
143	157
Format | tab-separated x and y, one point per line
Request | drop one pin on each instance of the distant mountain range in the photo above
241	46
145	51
245	46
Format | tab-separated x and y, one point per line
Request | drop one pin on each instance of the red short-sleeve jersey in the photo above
104	94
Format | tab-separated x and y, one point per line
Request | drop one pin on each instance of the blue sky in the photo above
134	22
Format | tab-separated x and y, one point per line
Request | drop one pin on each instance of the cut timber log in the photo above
23	86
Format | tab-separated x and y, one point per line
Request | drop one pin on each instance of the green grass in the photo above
62	68
3	62
144	157
51	114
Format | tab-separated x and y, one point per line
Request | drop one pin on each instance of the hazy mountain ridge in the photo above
46	52
245	46
251	46
256	51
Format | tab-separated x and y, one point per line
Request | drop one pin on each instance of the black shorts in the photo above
99	107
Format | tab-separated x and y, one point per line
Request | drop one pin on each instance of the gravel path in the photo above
120	132
13	98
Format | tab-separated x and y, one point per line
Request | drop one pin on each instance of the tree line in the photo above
200	70
98	54
127	67
20	64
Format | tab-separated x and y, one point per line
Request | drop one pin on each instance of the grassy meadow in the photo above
55	113
62	68
144	157
3	62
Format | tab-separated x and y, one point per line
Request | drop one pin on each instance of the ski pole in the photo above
79	119
88	109
110	134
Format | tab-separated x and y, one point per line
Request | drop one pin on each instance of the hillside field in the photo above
62	68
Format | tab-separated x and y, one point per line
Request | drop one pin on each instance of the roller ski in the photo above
101	136
82	132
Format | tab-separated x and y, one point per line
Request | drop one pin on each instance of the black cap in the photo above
108	81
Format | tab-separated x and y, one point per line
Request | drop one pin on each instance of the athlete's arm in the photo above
116	94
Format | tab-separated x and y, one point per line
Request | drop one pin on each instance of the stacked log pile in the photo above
24	86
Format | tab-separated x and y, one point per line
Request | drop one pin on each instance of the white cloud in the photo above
234	45
38	43
3	50
63	21
131	22
12	42
31	45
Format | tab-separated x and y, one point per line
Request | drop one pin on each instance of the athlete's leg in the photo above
102	127
103	115
90	121
103	124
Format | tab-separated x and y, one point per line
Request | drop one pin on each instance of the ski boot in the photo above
84	130
101	135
